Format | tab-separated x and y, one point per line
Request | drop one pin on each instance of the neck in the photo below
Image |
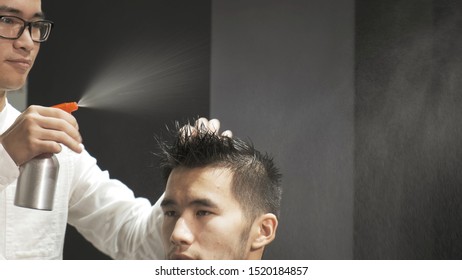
2	100
255	254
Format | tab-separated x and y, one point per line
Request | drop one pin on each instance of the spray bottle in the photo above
38	177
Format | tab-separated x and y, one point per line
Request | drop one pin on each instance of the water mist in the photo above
141	80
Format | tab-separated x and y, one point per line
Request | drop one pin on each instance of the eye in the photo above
202	213
7	20
169	213
40	26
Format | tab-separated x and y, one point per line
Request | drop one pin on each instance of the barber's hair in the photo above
256	179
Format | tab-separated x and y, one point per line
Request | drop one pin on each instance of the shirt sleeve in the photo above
107	214
9	171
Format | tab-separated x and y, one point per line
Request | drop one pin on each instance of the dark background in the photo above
283	76
358	102
89	35
408	153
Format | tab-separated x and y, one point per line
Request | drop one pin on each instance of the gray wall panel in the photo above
282	75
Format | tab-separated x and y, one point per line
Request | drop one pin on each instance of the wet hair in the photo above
256	179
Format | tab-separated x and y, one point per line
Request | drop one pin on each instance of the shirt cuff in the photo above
9	171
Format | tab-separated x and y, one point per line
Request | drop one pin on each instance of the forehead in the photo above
22	8
188	184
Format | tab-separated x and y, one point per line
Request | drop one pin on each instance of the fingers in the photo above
41	130
214	125
58	129
68	137
227	133
203	125
57	125
187	131
54	113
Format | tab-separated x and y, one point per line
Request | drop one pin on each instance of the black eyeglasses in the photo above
12	27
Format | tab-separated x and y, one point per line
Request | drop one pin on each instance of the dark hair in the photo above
256	180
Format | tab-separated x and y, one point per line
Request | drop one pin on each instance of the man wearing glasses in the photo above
103	210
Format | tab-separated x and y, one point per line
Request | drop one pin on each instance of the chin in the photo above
15	84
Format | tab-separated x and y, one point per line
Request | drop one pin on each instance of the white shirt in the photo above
103	210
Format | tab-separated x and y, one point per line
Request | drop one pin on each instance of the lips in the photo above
20	63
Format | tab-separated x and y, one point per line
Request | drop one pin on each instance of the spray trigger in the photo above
68	106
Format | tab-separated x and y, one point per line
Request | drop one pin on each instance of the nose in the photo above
25	40
182	234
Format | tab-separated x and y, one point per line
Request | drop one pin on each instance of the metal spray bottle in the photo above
37	183
38	177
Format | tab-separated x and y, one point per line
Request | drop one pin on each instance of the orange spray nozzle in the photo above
68	106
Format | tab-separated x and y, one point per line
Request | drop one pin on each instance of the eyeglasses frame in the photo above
29	25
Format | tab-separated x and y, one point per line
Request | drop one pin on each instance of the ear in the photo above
266	227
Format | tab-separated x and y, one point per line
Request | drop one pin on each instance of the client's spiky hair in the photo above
256	180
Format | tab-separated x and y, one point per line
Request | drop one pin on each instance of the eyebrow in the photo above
198	202
167	202
11	10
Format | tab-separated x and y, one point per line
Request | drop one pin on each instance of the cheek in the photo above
222	235
34	54
167	228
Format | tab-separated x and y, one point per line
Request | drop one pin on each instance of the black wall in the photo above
95	37
408	130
